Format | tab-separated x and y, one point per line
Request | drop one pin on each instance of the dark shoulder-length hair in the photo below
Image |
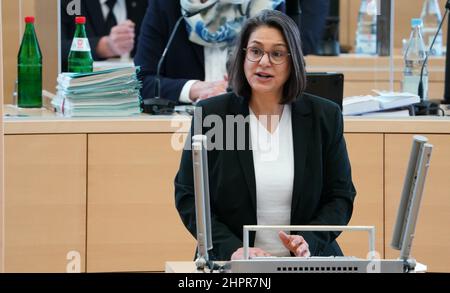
296	83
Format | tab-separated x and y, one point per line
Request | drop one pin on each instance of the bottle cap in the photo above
29	19
80	20
416	22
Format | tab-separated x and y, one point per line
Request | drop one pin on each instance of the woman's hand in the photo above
295	244
252	252
201	90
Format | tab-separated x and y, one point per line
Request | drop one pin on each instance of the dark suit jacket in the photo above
323	191
184	60
313	20
95	24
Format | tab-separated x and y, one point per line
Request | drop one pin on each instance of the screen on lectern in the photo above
202	201
411	197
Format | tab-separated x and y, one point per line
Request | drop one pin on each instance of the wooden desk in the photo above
104	188
176	267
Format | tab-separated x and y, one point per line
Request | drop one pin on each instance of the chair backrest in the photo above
328	85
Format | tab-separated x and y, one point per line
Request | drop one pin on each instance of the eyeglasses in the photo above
277	57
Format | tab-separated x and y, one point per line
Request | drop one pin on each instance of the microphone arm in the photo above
163	57
172	35
157	105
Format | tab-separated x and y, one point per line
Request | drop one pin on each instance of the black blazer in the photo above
184	60
95	24
323	191
313	20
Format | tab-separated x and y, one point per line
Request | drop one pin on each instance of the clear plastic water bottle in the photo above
414	58
366	32
431	17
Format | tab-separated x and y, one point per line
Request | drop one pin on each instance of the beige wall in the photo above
2	205
10	27
404	11
47	32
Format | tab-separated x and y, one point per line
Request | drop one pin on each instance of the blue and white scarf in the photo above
221	20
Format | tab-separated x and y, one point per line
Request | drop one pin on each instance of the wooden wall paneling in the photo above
11	33
404	11
407	9
2	198
45	12
47	30
45	202
344	29
133	224
367	173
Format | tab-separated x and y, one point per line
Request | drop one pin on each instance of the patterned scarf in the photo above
221	20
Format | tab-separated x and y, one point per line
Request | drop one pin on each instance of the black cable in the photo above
420	89
429	109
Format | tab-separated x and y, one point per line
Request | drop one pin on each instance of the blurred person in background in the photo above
112	27
195	65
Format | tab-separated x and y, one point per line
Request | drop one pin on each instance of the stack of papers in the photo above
383	102
113	92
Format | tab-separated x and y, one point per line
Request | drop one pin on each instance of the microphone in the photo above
424	107
158	105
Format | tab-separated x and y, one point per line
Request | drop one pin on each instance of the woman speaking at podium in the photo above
281	161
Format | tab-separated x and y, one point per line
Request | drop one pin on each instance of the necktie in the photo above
111	20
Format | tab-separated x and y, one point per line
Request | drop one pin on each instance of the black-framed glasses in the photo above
277	57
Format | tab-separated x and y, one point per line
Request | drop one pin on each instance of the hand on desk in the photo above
295	244
252	252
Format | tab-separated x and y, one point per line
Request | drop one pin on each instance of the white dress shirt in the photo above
119	10
273	158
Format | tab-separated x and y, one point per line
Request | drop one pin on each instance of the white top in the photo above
119	10
273	157
215	69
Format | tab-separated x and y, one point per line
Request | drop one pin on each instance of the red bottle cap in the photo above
29	19
80	20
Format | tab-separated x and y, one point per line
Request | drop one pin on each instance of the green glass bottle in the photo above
80	57
29	69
